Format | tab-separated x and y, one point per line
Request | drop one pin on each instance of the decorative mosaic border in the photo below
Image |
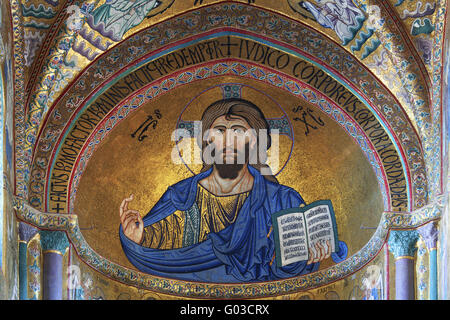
41	58
413	89
69	224
235	68
416	218
434	141
274	81
22	168
40	100
145	41
391	26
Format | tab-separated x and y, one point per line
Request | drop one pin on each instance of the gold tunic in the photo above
216	213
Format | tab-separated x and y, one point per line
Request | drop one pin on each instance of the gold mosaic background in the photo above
326	164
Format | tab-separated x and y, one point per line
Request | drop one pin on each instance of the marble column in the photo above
26	233
54	244
429	234
402	244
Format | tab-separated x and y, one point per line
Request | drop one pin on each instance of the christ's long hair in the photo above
238	108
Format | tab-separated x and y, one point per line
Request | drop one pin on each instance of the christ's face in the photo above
232	138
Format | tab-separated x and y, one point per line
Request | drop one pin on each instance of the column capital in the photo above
402	243
429	233
26	232
54	240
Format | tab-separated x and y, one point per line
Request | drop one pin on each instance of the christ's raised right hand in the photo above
131	220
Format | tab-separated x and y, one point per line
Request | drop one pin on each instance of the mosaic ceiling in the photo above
88	71
393	40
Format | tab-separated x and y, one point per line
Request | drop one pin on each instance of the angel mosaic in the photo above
115	17
342	16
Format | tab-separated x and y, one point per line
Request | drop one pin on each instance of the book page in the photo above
292	238
320	227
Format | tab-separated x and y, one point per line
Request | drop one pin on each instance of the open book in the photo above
297	230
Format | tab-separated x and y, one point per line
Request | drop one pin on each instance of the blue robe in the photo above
241	252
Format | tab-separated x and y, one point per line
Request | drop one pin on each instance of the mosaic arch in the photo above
240	75
124	105
385	107
408	82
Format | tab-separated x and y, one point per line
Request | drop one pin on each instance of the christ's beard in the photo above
231	170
